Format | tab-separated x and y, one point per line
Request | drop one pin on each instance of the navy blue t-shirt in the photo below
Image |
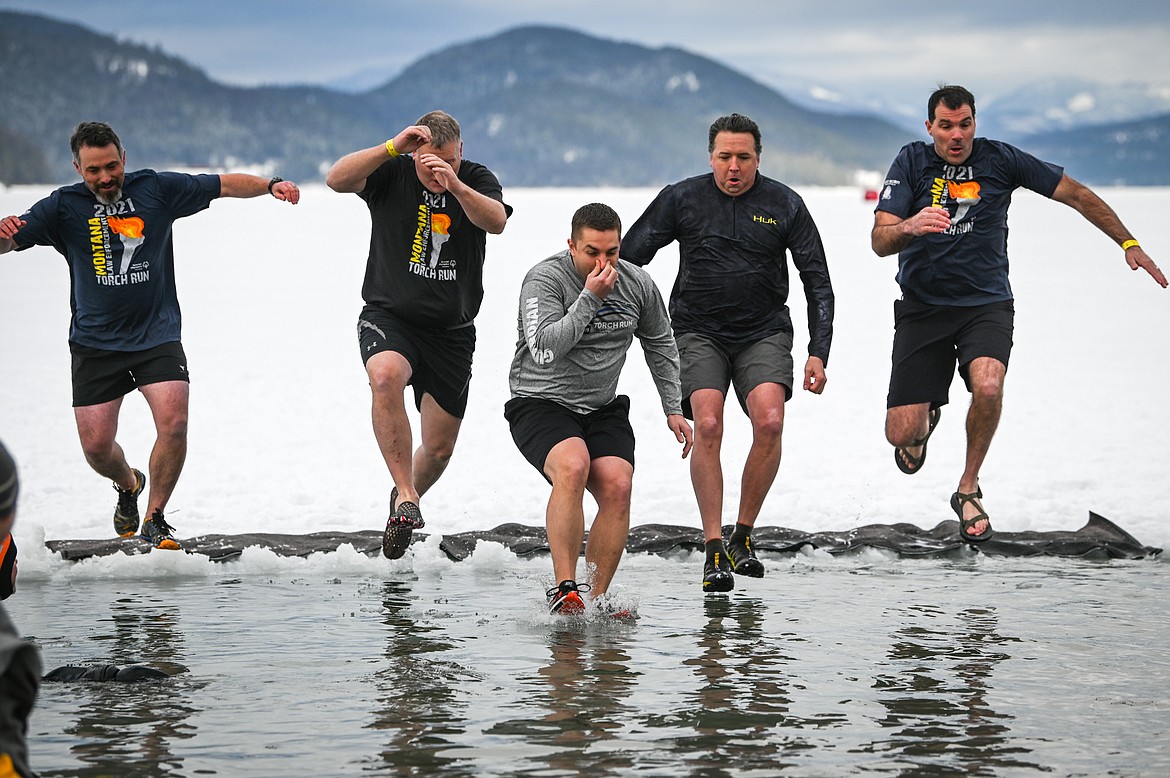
967	264
121	257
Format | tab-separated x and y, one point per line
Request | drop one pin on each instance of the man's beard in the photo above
108	196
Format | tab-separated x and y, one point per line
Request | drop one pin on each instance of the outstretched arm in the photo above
1086	202
246	185
9	226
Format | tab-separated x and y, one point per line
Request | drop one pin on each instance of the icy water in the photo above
339	665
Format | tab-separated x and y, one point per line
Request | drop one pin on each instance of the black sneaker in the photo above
400	526
565	599
126	514
159	533
717	575
743	560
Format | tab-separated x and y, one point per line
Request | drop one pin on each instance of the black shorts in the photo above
440	360
538	425
707	363
929	340
100	376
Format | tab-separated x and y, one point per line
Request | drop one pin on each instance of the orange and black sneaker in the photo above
126	516
565	599
159	533
743	560
400	527
717	575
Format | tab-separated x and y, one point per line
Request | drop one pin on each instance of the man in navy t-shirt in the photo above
430	212
114	230
943	209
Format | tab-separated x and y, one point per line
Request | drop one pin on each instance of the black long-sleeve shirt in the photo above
732	282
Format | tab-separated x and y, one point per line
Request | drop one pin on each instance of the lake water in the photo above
867	664
347	665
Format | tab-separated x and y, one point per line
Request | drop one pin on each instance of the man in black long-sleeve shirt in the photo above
729	312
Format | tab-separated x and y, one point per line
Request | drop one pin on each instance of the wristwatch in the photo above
273	182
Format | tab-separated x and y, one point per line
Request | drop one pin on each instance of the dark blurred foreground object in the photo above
127	674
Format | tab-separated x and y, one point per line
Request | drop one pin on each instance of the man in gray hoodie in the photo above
579	312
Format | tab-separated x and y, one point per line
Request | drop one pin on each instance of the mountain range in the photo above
541	106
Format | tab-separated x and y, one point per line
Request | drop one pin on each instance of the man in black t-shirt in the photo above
114	230
430	214
943	209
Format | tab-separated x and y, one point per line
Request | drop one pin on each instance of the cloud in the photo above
901	48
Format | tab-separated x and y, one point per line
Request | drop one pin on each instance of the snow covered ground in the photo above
280	438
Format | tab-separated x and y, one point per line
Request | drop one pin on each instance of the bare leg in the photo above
567	466
906	425
610	483
987	379
766	410
168	401
706	469
439	433
97	427
389	373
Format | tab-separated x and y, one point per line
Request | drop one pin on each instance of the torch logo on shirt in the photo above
440	234
434	230
965	194
131	232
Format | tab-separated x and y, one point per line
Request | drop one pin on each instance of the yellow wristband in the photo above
390	148
1129	244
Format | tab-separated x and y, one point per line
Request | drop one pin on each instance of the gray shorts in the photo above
708	363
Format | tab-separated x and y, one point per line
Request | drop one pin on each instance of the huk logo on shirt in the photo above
434	230
106	228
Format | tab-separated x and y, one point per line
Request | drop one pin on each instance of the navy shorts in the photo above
440	360
707	363
100	376
929	340
538	425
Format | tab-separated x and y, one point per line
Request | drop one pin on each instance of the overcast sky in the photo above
894	48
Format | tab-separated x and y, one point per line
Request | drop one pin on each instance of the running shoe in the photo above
159	533
400	526
565	599
743	560
126	514
717	575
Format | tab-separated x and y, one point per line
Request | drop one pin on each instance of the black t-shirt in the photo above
426	256
732	281
967	264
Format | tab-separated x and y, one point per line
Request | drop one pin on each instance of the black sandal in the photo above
958	500
907	462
